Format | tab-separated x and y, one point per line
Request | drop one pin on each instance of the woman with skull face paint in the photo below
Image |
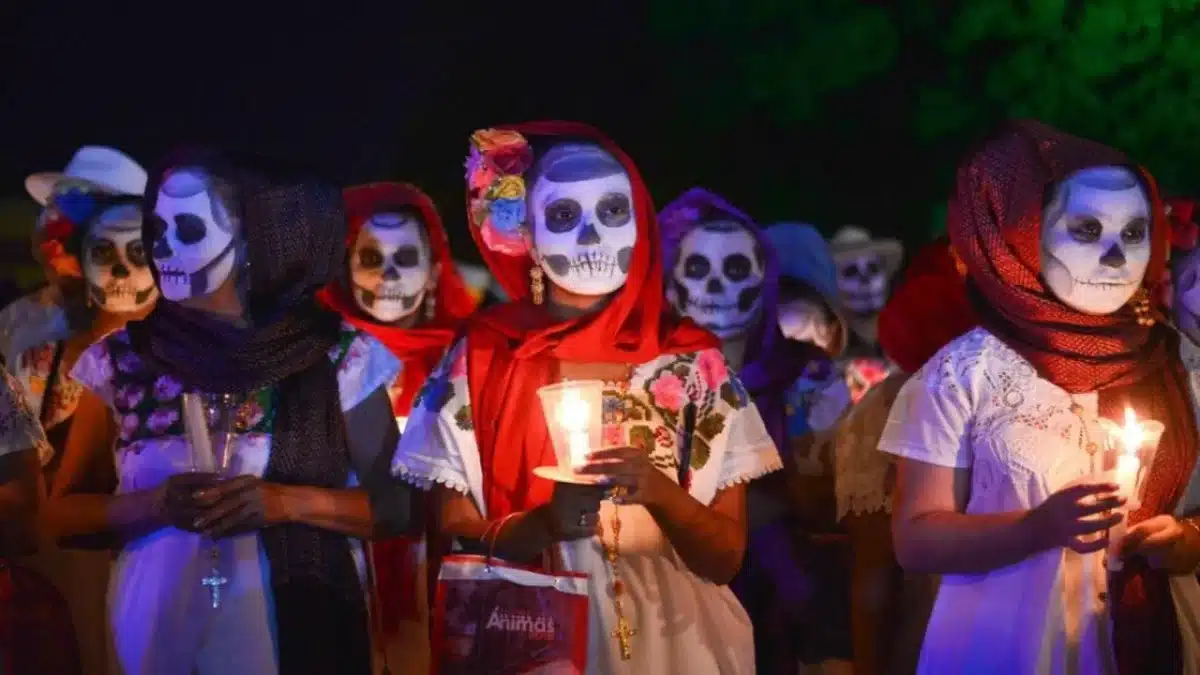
997	435
594	312
102	235
240	249
724	275
404	289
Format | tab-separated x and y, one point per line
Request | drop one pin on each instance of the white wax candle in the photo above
1127	471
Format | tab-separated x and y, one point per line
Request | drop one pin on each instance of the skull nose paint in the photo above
120	271
162	250
588	234
390	274
715	286
1113	257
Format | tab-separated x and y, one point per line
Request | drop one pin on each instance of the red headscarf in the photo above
995	224
933	296
512	348
419	348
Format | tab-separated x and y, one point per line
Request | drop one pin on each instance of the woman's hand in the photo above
238	505
1071	517
631	469
573	511
1167	543
175	500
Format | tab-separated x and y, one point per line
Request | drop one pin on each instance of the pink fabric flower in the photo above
613	435
130	395
162	419
129	426
712	368
167	388
668	392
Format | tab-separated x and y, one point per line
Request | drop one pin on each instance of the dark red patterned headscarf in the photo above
995	220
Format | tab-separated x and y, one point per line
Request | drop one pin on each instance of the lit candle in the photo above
573	416
1128	463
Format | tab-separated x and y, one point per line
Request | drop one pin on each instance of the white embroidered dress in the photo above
979	405
19	428
162	618
684	624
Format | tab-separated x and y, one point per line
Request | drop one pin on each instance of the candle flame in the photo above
1133	434
573	411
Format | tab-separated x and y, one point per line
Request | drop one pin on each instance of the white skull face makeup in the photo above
805	320
583	221
390	266
114	261
718	277
862	282
195	239
1096	240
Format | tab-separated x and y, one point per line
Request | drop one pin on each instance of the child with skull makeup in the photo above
403	288
586	281
1064	243
240	247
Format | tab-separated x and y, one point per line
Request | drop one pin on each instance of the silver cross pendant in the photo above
215	580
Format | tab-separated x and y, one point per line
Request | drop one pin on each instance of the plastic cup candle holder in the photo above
573	412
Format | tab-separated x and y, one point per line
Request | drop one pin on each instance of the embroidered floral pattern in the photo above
149	404
19	428
33	370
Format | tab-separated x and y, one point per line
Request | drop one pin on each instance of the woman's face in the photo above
584	232
1096	239
114	262
195	240
391	267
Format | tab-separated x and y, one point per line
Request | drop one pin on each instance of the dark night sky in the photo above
361	90
391	90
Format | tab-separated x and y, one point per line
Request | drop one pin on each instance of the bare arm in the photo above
380	507
82	510
932	535
711	539
21	494
523	537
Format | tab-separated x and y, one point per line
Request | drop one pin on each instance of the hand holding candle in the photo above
1136	444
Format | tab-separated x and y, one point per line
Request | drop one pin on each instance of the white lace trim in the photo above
425	480
767	466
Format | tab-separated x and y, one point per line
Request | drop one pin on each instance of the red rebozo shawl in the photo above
513	347
994	219
772	363
928	309
420	348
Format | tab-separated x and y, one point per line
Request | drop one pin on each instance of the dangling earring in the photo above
430	305
1141	307
536	284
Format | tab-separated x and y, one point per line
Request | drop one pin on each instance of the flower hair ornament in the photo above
1181	215
496	187
62	224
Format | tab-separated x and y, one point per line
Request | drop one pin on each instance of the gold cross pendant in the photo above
623	632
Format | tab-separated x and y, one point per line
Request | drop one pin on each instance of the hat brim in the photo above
41	185
890	250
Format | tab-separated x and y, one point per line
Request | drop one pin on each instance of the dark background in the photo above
827	111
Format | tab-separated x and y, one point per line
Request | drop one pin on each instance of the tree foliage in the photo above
1119	71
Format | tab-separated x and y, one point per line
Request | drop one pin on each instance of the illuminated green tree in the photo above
1120	71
